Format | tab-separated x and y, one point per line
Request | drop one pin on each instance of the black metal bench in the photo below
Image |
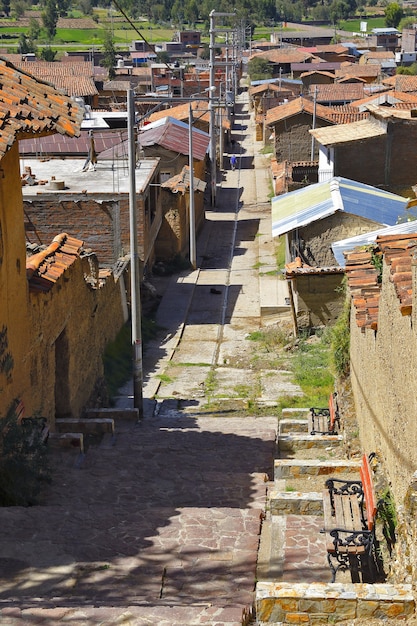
350	509
325	421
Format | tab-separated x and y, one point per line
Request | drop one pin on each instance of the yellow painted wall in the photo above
14	320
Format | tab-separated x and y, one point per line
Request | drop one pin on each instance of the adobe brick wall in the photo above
103	226
70	327
363	161
293	141
384	383
319	236
390	160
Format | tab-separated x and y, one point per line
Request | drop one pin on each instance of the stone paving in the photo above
160	523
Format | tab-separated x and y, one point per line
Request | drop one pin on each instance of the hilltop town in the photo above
221	211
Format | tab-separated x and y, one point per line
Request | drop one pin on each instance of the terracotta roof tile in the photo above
337	92
284	55
402	82
335	115
181	182
399	253
75	79
46	266
29	106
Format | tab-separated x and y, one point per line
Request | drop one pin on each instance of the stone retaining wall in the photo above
321	603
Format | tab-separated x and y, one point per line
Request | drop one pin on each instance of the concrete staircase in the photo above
293	577
70	432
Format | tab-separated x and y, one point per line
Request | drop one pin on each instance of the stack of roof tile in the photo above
364	287
399	252
44	268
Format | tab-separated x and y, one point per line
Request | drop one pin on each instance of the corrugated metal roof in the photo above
345	133
314	202
173	135
63	145
349	244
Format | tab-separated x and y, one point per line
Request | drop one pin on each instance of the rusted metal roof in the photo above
345	133
47	265
173	135
181	182
30	107
65	146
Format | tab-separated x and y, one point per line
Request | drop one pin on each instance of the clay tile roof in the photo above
45	267
358	70
399	253
340	92
29	107
75	79
402	82
335	115
181	112
284	55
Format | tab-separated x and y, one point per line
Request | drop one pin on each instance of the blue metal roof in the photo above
346	245
314	202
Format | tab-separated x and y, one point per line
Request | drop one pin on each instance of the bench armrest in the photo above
344	487
320	411
351	540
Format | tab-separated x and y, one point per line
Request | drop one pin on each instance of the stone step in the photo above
67	440
85	426
300	468
291	443
295	503
113	413
329	603
295	412
288	426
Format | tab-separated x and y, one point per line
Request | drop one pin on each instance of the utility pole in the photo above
212	98
212	152
193	256
134	264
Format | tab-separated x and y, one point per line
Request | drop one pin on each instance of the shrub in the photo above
340	343
24	461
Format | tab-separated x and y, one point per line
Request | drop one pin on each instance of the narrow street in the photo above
160	524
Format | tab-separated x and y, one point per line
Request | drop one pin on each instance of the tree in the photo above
50	18
5	7
34	29
47	54
191	12
62	7
393	14
162	56
109	59
259	69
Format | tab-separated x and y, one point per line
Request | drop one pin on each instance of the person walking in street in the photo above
233	161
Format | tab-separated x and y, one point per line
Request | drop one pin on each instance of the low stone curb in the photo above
321	603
